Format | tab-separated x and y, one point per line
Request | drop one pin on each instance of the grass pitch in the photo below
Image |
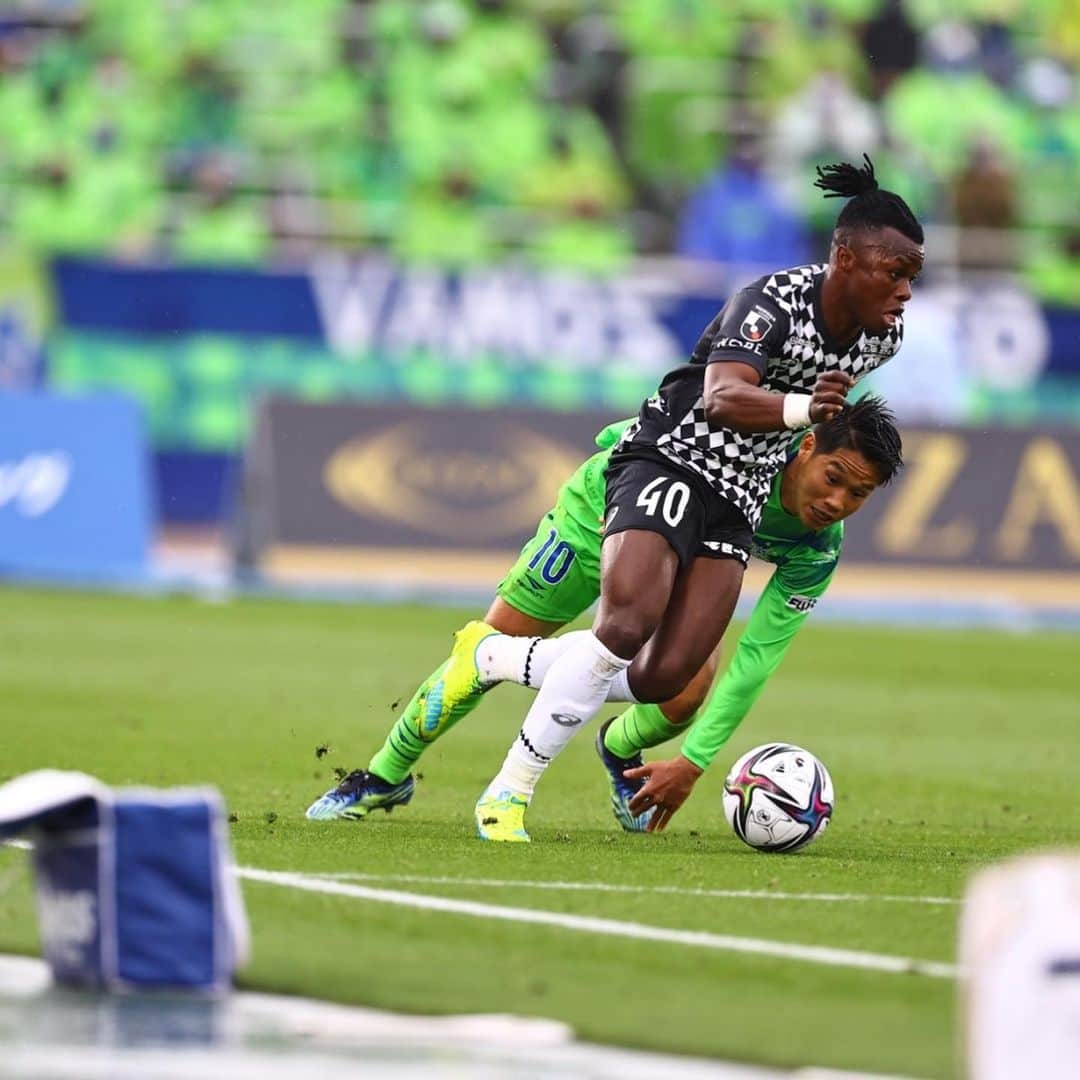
948	750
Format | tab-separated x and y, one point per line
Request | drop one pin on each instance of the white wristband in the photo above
797	410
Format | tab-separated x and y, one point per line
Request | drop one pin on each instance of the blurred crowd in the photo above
571	133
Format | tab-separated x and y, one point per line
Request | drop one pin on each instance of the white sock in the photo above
522	660
575	687
527	660
620	688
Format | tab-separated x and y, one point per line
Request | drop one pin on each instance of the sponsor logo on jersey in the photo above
735	343
802	603
874	346
757	324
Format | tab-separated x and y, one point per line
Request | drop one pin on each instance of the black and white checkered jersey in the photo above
774	325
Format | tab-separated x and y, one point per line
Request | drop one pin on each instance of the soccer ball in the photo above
778	797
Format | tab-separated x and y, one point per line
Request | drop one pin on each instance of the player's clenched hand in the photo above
829	394
667	786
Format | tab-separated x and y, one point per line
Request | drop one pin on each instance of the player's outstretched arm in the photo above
735	399
777	617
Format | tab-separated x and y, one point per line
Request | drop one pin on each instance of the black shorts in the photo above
650	494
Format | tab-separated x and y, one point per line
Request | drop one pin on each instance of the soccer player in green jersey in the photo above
831	470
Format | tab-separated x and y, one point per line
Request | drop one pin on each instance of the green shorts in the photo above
557	575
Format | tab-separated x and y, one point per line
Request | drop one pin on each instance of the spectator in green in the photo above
794	51
464	92
443	226
27	131
939	109
109	103
103	203
201	114
579	162
586	238
216	224
1052	266
675	86
1051	147
577	194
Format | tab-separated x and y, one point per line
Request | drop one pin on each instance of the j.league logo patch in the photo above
757	324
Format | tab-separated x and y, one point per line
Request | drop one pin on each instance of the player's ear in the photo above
808	445
843	256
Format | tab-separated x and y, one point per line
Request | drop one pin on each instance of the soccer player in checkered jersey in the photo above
688	480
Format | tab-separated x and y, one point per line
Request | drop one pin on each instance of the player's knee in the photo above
623	632
625	627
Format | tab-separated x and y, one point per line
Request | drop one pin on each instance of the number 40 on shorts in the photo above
670	502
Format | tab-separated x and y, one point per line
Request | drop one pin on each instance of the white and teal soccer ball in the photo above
778	797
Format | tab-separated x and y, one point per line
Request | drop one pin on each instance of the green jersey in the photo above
805	561
557	576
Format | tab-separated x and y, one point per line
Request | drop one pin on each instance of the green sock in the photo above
640	727
408	738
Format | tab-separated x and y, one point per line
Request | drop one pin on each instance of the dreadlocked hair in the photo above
869	427
870	206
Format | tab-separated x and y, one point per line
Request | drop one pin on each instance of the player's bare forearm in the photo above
733	399
667	786
744	407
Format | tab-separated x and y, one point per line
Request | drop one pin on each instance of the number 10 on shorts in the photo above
671	503
559	558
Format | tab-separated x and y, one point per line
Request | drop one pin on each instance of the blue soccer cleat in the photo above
622	789
358	794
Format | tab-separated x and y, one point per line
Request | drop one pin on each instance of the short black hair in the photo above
869	206
868	427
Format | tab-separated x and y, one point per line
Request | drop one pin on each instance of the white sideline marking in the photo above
607	886
668	890
814	954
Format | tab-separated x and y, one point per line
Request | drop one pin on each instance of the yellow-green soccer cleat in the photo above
500	815
459	684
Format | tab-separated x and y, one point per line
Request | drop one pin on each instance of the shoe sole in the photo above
359	812
502	839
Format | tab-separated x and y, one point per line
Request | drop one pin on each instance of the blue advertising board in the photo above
200	346
74	485
507	311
